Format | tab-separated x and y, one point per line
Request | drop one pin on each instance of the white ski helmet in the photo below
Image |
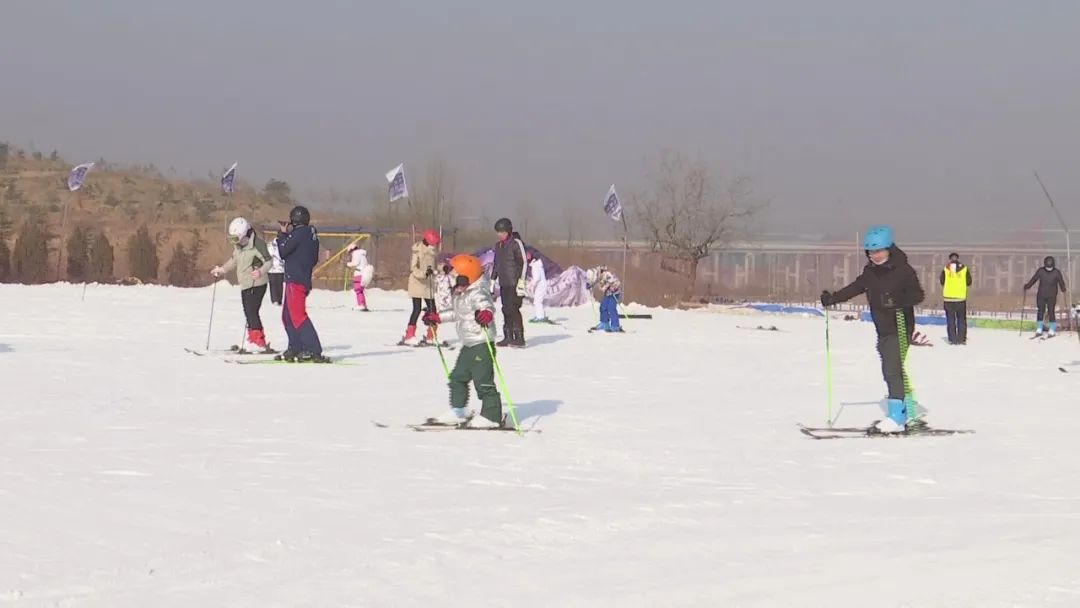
591	275
238	229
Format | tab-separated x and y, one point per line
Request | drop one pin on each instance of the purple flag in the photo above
398	187
228	181
612	206
78	176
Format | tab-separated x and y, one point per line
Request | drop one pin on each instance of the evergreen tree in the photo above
78	255
181	269
30	258
142	256
100	267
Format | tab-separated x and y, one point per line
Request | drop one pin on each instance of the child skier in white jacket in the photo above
362	274
473	311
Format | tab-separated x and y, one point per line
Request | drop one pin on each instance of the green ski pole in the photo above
438	347
502	382
909	390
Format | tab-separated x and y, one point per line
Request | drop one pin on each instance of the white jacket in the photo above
536	268
278	266
463	312
361	268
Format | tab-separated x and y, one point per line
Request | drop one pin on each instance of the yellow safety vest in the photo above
956	287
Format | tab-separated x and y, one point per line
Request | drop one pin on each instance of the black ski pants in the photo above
428	304
511	309
956	320
252	299
892	366
1045	308
277	286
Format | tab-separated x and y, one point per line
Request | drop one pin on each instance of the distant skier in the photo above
955	281
421	281
277	273
1050	280
298	244
509	272
611	287
540	288
362	274
473	312
890	285
251	261
444	288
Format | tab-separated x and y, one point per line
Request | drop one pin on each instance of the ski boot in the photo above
895	422
288	356
306	357
410	338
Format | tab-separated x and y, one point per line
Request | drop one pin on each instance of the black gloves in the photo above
826	299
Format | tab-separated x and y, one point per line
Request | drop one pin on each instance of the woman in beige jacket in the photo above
421	281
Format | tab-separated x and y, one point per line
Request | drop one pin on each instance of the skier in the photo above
509	271
891	286
444	288
955	281
603	279
1050	280
251	261
362	274
277	273
536	269
421	279
298	244
473	311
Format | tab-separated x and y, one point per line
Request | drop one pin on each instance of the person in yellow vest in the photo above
955	281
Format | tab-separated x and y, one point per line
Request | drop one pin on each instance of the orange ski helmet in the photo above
467	266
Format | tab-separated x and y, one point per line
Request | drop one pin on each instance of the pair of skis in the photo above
433	425
872	432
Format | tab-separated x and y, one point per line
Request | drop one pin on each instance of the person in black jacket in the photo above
1050	280
508	272
892	288
298	246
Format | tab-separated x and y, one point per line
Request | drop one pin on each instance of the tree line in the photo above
90	256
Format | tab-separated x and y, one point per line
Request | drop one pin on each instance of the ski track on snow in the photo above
669	472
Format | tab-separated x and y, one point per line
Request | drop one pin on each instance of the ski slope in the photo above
669	471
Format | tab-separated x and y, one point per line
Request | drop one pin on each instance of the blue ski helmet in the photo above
878	237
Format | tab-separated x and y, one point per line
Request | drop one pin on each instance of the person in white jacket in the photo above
276	274
362	274
540	288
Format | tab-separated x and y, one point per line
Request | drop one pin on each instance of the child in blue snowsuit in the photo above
603	279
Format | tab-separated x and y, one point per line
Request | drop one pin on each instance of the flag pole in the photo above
625	250
1068	243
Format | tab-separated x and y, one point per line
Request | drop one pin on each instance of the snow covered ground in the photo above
669	471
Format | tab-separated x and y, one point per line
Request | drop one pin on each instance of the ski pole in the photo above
828	372
435	330
438	347
909	389
502	382
1023	309
210	325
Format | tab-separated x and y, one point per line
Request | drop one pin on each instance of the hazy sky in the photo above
919	113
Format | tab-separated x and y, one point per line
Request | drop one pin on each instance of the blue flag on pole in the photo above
228	180
398	188
78	176
612	206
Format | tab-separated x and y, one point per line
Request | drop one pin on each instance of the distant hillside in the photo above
119	199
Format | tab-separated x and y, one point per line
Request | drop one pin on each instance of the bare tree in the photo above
687	214
434	199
